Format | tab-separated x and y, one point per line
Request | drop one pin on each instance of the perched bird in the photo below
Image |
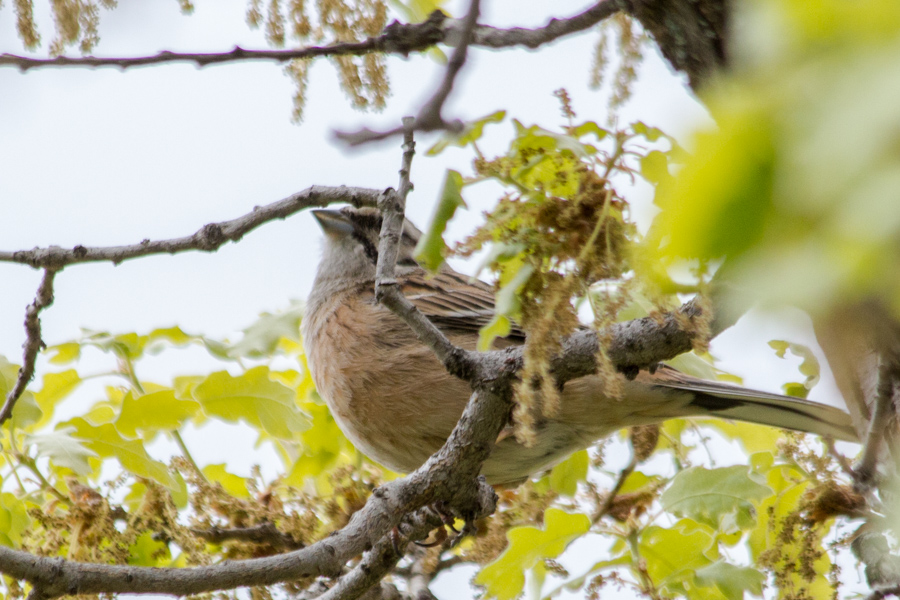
395	401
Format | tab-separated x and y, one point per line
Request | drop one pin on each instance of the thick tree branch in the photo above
207	239
397	38
33	342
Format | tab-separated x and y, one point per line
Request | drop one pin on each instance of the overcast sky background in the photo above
104	157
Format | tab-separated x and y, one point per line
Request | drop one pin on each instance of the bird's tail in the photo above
732	402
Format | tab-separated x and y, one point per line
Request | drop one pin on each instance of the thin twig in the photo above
842	460
397	38
176	435
429	117
419	578
866	470
381	559
610	499
393	206
881	594
207	239
33	342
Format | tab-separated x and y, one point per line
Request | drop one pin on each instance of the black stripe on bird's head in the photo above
354	233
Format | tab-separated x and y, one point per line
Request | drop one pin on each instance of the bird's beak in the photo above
333	222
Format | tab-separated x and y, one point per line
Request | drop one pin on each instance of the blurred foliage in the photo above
797	188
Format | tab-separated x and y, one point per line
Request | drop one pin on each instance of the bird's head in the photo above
351	244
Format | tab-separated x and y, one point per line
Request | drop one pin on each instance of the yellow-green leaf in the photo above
261	338
715	497
253	398
233	484
63	450
14	520
56	386
131	454
64	353
731	580
431	247
471	133
565	476
154	411
505	577
673	554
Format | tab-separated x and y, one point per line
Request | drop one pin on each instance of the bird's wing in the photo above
733	402
454	302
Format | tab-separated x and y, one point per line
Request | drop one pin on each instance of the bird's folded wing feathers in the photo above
459	304
454	302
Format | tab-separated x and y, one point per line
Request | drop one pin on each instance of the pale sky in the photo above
104	157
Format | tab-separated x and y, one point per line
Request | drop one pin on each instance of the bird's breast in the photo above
388	393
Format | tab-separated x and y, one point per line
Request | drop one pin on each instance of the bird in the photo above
397	404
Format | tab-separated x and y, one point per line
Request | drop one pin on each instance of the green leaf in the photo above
753	437
508	295
107	443
64	353
655	167
63	450
14	520
637	481
233	484
565	476
721	201
731	580
25	413
507	306
159	338
146	551
505	577
253	398
808	367
431	247
261	338
153	412
498	326
719	498
673	554
56	386
650	133
591	127
470	134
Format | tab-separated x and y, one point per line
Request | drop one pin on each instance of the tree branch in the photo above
207	239
265	533
381	559
397	38
33	342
